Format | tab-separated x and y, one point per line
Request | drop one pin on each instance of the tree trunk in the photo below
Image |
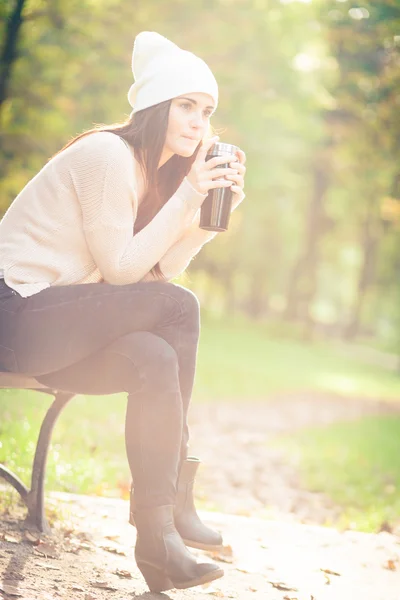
257	302
370	237
303	280
9	51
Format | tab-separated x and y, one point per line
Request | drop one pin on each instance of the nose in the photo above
196	120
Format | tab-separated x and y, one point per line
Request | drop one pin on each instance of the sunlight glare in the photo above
338	383
359	13
306	62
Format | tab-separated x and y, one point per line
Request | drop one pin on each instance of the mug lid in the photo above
220	148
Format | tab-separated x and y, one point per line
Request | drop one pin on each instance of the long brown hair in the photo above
146	131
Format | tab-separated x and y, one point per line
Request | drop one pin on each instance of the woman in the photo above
86	253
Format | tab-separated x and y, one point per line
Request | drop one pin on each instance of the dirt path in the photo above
90	557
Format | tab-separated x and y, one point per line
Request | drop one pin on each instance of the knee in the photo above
189	305
161	355
158	364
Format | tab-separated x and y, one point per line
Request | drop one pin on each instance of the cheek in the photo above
174	127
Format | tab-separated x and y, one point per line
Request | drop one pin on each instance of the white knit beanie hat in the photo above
163	71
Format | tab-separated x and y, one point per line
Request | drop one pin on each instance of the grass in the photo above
357	464
238	361
248	361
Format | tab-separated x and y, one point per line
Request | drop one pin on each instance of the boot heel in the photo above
156	579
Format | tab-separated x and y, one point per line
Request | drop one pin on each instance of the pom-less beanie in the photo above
163	71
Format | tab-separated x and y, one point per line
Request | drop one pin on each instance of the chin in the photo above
185	153
186	150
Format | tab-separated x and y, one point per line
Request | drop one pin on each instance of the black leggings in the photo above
100	338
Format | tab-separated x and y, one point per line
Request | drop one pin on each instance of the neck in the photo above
166	154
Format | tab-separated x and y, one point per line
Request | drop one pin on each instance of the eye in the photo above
208	113
186	105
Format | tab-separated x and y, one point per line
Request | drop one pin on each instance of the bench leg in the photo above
14	481
35	496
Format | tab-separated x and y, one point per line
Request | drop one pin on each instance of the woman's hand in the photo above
238	179
205	175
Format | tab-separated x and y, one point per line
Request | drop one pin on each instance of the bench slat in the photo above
19	381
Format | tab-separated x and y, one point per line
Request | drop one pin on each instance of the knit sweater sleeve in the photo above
180	255
109	205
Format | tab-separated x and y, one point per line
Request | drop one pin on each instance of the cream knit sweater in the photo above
73	223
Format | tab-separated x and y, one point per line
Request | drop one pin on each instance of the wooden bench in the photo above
34	497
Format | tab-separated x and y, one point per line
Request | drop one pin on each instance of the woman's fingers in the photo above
237	179
204	148
221	173
241	156
239	167
219	160
218	183
205	175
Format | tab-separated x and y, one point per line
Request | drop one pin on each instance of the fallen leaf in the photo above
207	588
10	588
112	538
85	546
78	588
252	589
10	538
122	573
226	550
249	569
279	585
89	597
390	565
113	550
47	550
73	549
297	597
225	554
329	572
103	585
221	558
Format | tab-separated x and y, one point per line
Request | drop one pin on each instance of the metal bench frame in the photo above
34	497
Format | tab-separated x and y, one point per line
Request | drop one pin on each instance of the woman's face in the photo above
188	122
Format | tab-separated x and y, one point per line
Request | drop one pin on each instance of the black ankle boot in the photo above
193	532
161	555
187	522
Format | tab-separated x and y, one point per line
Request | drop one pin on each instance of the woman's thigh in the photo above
64	324
136	362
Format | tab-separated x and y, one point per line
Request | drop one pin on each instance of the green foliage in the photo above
357	465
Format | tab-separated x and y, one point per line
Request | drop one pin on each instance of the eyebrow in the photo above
193	101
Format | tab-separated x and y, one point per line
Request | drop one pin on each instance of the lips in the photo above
190	138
